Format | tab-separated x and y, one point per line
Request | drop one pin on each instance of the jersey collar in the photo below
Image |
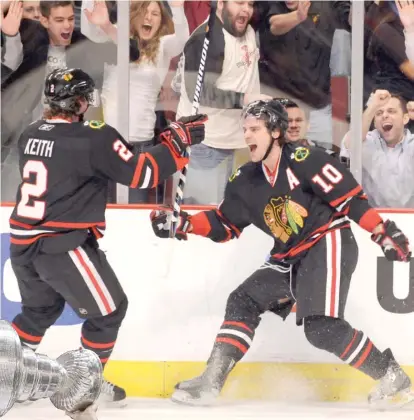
271	176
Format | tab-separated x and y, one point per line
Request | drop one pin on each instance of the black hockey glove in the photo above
393	242
185	132
161	223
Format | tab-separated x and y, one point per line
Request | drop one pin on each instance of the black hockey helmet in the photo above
273	113
64	87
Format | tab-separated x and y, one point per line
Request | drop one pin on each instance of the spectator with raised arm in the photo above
387	152
406	12
395	71
51	43
160	38
12	50
231	80
296	42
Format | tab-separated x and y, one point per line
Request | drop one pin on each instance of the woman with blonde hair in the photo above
160	38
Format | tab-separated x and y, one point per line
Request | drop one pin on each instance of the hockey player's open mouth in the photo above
146	29
66	35
252	147
387	127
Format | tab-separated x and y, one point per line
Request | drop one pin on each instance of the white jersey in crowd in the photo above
240	73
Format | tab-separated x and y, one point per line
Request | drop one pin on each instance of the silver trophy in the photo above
72	382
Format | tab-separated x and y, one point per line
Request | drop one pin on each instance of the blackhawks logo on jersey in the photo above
284	217
301	153
234	175
96	125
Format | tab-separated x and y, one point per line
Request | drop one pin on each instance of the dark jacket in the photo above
297	62
81	53
22	89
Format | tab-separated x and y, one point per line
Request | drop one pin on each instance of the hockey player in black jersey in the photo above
304	199
66	164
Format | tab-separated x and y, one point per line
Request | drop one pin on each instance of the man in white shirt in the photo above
387	152
231	80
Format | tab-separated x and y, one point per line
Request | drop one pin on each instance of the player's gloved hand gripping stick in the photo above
161	223
196	103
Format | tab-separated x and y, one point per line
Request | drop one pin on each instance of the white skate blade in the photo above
398	401
181	396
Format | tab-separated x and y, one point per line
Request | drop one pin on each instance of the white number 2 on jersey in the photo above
35	210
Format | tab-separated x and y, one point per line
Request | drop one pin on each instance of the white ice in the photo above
158	409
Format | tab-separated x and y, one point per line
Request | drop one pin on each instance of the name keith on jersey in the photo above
38	147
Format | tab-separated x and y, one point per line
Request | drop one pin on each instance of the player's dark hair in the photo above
50	113
46	6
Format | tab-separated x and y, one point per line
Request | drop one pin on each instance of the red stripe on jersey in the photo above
232	227
351	193
200	223
98	235
20	224
180	161
155	167
370	220
73	225
138	171
16	241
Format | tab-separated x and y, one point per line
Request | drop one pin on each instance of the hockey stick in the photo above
196	103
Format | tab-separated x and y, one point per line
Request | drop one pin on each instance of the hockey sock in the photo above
350	345
234	339
103	350
29	334
362	354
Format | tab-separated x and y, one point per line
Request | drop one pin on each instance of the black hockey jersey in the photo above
65	169
309	194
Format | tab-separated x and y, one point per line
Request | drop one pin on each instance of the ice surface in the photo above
158	409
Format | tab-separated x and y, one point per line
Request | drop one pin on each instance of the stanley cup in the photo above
72	382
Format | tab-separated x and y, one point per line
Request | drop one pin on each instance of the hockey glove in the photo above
161	223
185	132
393	242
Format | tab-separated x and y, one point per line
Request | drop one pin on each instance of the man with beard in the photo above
231	78
387	152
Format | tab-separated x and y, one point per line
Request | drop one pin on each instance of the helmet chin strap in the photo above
269	148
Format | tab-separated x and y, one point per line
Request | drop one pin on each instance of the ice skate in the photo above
197	391
393	389
204	390
112	395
